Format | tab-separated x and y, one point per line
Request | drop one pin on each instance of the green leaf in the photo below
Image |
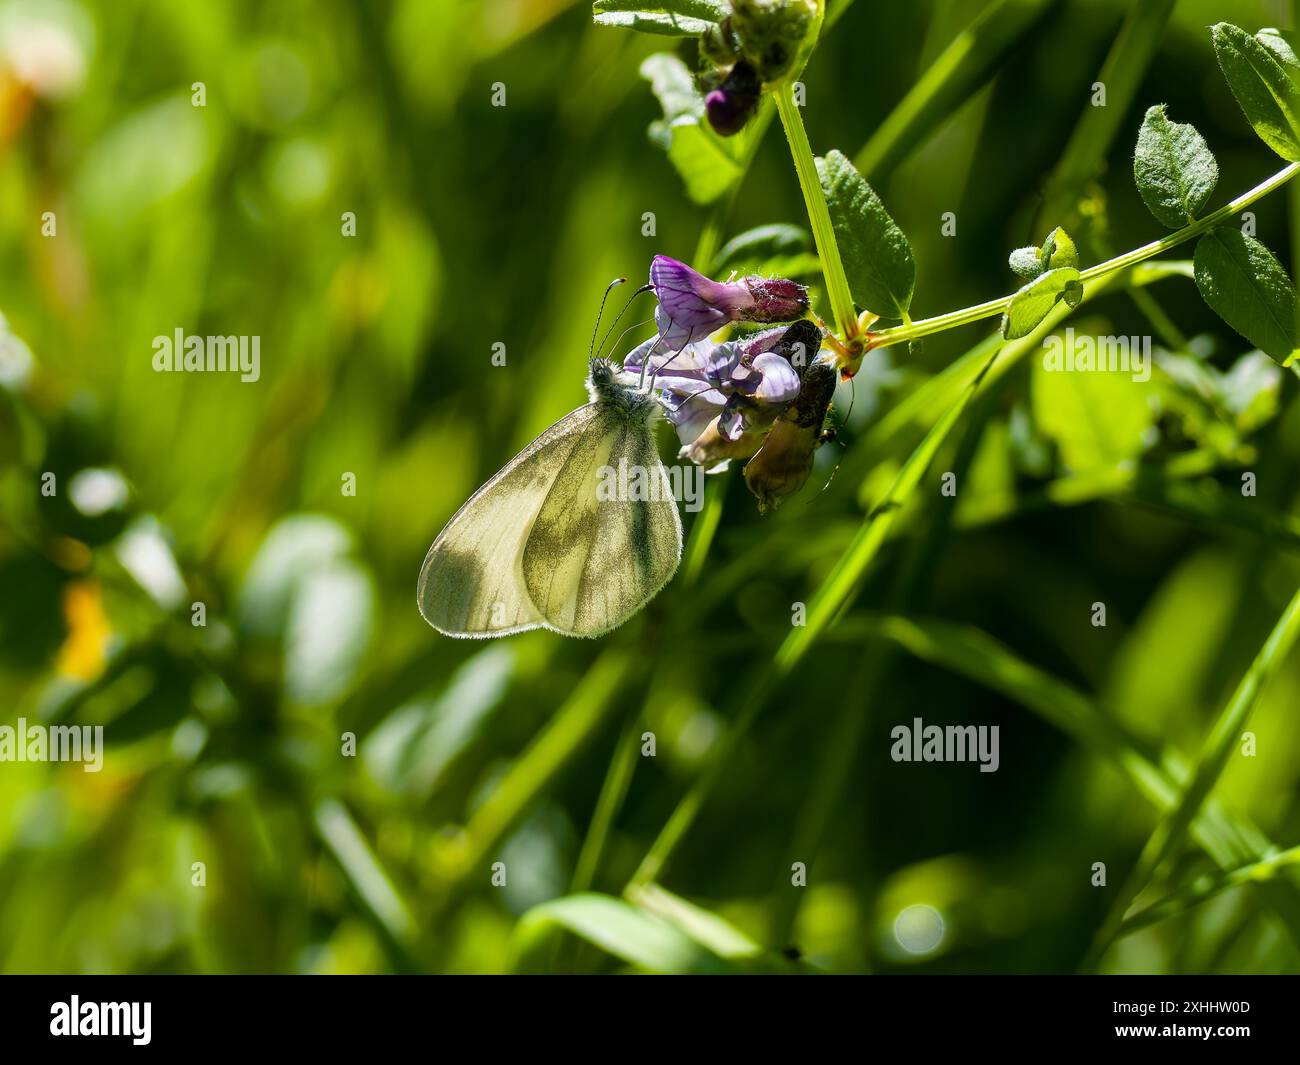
1174	169
671	82
1245	285
1097	418
877	258
706	928
707	168
1266	87
764	242
620	929
669	18
708	164
1031	304
1282	44
1249	390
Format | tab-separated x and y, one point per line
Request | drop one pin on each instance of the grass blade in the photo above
1170	832
1229	840
1207	887
956	74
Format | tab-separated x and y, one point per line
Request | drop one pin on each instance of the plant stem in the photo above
837	284
1172	830
1208	887
966	315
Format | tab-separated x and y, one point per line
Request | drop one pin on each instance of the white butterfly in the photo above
537	546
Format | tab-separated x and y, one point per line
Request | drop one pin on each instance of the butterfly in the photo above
540	546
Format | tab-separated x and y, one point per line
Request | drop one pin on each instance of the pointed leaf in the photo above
708	164
1245	285
1267	90
623	930
1174	169
1031	304
666	18
877	258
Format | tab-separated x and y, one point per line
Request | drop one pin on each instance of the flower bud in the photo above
731	104
774	35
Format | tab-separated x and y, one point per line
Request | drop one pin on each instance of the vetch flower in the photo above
723	397
693	383
763	382
691	306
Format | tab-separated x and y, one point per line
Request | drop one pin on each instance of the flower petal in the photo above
691	306
780	383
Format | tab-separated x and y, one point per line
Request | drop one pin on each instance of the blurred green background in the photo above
227	742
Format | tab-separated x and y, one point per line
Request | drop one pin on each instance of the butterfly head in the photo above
611	389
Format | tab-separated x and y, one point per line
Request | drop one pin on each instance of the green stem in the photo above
966	315
1207	888
550	751
1171	831
612	793
837	284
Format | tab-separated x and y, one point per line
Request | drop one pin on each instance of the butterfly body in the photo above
539	545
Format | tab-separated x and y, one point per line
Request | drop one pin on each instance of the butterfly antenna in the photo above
690	339
812	499
617	317
619	339
591	351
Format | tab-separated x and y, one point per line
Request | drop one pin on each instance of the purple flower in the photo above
691	306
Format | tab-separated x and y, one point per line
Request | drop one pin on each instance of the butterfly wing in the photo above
591	563
472	583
